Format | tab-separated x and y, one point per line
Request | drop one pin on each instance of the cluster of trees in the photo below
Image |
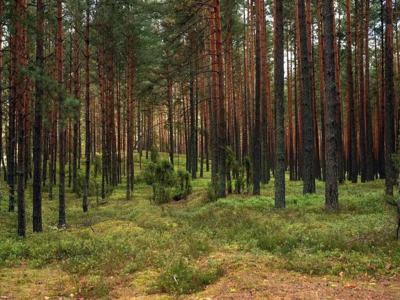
301	86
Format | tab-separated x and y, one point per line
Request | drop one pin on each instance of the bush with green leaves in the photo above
94	186
182	278
161	194
212	194
166	182
184	185
247	166
161	172
97	162
237	170
93	189
240	180
154	155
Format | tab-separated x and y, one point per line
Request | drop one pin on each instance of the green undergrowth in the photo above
180	277
123	238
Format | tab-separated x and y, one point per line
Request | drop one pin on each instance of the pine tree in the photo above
279	106
37	139
389	101
307	120
331	187
61	123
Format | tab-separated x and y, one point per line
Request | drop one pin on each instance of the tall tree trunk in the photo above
20	86
1	94
322	86
221	104
307	120
61	125
130	122
351	126
382	151
11	145
336	49
37	137
85	202
309	21
279	106
291	144
389	102
361	89
76	91
331	186
245	94
266	103
218	102
367	109
257	107
192	159
170	121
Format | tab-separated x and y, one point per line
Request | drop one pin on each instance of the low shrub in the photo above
162	173
98	165
93	189
183	187
154	155
166	182
212	194
161	194
182	278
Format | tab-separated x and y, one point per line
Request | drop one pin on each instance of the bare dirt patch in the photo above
261	283
242	280
26	283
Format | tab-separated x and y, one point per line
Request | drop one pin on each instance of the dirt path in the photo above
247	281
264	284
248	277
26	283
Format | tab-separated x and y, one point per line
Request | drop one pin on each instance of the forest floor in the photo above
235	248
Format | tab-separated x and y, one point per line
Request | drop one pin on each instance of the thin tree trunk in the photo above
170	122
367	109
11	127
85	202
291	150
221	126
256	162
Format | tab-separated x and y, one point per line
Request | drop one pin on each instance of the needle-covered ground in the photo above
235	248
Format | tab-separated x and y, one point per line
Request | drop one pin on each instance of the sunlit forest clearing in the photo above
186	149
